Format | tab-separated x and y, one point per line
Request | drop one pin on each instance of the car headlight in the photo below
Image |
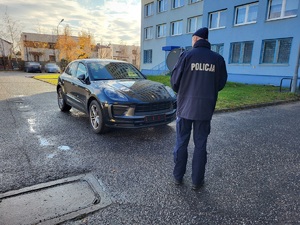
114	95
171	92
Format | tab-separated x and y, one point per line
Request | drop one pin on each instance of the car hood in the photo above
142	90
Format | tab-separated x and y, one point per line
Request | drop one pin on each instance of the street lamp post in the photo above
57	31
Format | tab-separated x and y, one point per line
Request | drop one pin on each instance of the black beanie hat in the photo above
202	32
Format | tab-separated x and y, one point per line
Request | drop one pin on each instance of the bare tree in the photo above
10	31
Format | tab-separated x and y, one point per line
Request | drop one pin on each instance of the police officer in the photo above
197	78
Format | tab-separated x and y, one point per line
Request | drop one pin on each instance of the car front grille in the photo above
142	109
152	107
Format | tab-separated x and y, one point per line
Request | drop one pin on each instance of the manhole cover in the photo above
53	202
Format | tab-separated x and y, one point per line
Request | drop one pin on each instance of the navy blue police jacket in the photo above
197	78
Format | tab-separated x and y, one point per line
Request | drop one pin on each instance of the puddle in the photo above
31	123
51	156
64	148
44	142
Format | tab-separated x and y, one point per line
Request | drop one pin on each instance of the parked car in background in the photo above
32	67
51	68
114	94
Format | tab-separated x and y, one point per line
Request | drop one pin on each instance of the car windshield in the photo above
113	70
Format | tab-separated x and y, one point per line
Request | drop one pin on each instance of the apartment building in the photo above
5	53
41	48
259	40
128	53
38	47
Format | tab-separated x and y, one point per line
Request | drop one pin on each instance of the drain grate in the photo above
53	202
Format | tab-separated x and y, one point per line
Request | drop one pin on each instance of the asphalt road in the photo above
253	170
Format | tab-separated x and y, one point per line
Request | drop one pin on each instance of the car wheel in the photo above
64	107
96	117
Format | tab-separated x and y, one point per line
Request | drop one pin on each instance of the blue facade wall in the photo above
255	72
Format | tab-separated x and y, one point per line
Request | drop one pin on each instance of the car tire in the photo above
63	106
96	118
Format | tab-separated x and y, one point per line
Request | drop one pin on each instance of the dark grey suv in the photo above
32	67
114	94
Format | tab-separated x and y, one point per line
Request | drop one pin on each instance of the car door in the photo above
68	81
80	90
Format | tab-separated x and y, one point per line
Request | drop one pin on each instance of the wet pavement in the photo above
253	170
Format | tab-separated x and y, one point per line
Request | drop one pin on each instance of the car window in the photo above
81	70
71	69
113	70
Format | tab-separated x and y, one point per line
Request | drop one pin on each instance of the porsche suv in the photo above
114	94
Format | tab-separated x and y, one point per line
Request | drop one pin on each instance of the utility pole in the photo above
295	77
57	38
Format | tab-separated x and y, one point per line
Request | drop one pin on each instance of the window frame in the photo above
147	56
198	23
218	48
276	52
241	55
146	36
218	19
282	10
164	26
148	6
176	6
162	3
179	29
247	6
194	1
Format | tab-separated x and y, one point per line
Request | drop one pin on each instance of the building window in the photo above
193	1
51	58
149	9
276	51
241	52
52	45
148	33
177	3
246	14
148	56
161	30
194	23
218	48
176	28
161	6
217	19
282	8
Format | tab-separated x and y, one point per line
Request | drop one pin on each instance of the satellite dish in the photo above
172	57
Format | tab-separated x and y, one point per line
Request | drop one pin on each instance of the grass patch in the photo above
51	79
234	95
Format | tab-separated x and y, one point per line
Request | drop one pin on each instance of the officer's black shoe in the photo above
196	187
177	182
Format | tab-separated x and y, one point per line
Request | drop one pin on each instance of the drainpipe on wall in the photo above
295	77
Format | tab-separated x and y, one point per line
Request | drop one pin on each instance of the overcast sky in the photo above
110	21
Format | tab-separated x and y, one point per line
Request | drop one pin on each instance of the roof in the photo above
5	41
41	37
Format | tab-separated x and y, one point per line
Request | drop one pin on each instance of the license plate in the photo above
155	118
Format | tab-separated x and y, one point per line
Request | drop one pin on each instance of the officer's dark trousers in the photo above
201	130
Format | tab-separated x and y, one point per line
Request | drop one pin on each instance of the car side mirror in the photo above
83	79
